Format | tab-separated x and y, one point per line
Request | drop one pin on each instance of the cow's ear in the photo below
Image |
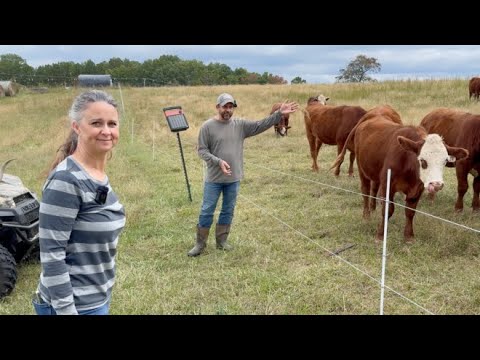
457	152
410	145
326	99
288	127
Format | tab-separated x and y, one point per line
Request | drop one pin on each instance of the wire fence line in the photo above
370	196
379	282
269	213
359	193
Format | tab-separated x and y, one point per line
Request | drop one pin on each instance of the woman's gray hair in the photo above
84	99
79	105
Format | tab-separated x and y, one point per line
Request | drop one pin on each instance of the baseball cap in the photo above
225	99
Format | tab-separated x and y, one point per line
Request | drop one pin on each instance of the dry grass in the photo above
286	219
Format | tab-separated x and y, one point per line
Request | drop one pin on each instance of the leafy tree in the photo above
12	66
298	80
357	69
163	71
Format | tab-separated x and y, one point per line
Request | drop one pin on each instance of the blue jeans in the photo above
211	194
46	309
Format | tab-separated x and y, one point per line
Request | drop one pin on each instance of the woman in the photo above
80	215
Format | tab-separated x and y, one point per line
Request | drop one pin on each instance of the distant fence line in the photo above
72	80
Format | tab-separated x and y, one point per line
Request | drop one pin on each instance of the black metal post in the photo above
184	167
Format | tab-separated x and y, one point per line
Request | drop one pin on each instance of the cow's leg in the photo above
462	183
365	186
339	150
352	160
373	193
476	191
312	142
411	203
314	153
318	145
391	208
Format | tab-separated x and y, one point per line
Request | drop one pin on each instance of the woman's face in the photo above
98	131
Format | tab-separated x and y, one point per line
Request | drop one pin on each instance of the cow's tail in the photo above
306	115
2	169
350	138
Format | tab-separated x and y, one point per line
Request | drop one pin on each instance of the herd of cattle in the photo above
416	155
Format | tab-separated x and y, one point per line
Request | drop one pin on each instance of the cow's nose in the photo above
435	186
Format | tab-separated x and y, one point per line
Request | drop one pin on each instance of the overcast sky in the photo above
313	63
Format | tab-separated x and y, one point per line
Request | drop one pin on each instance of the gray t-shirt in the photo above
223	140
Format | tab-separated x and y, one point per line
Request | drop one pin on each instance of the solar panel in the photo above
175	118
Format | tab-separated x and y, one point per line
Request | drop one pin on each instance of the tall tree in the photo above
298	80
14	67
357	69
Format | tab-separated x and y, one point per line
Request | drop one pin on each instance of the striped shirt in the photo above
78	240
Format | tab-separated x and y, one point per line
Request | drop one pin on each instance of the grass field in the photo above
287	217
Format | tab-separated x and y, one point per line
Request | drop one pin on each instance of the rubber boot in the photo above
221	235
202	236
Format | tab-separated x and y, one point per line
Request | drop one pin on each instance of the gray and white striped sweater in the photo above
78	240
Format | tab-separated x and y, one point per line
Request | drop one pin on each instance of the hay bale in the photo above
10	88
2	92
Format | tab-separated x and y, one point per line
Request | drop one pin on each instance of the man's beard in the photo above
226	115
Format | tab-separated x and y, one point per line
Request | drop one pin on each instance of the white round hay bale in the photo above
2	92
9	87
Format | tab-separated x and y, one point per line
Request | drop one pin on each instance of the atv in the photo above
19	217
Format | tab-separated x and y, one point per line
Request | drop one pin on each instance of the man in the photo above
220	145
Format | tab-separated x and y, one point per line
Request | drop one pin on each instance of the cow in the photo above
282	127
474	88
325	124
461	129
416	160
385	112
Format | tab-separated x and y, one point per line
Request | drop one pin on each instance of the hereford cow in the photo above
384	112
330	125
282	127
474	88
416	160
462	129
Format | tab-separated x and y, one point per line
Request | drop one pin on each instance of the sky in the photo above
313	63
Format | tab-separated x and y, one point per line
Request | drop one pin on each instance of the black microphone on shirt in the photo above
101	195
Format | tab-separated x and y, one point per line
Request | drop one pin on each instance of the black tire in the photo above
8	272
33	255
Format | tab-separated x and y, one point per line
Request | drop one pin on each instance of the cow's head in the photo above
432	154
282	127
320	99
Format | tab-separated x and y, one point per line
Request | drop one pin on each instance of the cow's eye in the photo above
423	163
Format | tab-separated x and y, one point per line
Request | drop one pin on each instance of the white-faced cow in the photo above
416	160
462	129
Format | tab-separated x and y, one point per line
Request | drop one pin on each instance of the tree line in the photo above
167	70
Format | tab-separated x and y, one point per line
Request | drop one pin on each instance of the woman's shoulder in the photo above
64	171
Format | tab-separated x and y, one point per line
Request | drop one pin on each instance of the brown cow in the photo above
384	112
416	160
330	125
474	88
462	129
282	127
